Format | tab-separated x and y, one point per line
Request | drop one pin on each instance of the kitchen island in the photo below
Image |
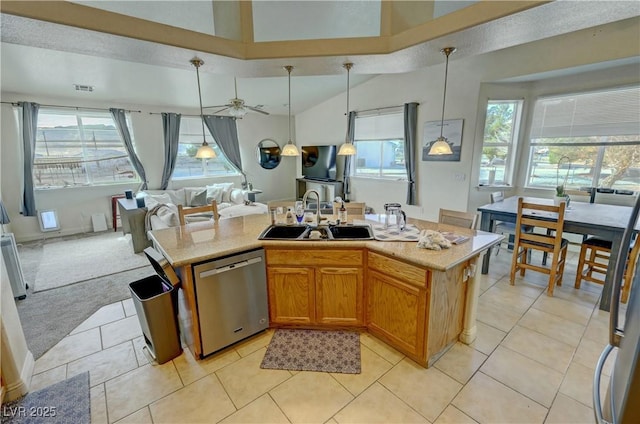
419	301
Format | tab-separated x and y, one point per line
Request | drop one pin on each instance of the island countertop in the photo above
203	241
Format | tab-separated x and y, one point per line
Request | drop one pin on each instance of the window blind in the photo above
601	113
379	127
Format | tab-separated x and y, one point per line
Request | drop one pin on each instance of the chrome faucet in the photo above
304	203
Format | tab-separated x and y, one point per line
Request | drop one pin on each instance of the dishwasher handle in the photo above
231	267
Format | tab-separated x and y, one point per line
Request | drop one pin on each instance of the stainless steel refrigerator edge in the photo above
622	401
231	298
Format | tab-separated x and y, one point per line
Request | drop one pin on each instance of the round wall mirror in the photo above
268	153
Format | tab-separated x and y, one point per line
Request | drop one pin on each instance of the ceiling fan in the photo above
236	106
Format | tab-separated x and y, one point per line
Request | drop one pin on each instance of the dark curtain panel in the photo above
351	128
410	134
225	133
29	129
171	128
121	124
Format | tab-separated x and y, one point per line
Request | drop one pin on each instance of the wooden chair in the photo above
353	208
459	219
507	229
594	261
212	208
545	217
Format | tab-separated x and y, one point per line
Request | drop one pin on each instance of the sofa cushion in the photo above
150	200
168	214
236	196
177	196
196	196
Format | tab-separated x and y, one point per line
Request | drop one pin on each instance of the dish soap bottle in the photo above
342	214
289	217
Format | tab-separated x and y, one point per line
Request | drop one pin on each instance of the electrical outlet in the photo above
459	176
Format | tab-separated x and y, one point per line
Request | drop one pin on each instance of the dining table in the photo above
596	219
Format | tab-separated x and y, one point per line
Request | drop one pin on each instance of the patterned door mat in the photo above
314	350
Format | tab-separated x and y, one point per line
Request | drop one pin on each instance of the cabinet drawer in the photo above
401	270
315	257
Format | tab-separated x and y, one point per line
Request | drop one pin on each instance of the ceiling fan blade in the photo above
255	109
209	107
221	110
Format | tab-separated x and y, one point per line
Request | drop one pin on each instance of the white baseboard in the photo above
21	387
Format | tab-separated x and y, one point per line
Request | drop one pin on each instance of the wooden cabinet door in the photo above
396	312
339	296
291	295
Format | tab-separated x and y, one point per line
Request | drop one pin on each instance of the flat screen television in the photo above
319	162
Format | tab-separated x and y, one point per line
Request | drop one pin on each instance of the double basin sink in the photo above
322	232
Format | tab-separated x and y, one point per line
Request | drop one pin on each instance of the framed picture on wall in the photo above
451	130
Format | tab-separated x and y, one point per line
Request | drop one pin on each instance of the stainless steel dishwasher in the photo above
231	294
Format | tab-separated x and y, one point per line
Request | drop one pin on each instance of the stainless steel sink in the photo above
322	232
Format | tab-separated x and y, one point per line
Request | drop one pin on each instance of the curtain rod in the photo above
376	109
72	107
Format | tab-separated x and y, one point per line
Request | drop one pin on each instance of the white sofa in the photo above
162	205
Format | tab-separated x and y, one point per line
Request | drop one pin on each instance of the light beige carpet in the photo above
71	261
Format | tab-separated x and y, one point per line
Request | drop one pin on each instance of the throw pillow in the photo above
168	214
214	192
199	198
237	196
226	191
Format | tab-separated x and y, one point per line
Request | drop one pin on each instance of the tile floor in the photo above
533	362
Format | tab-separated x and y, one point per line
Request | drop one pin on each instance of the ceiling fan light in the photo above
238	112
290	149
440	147
205	152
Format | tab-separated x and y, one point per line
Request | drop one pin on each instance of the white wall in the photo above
75	205
467	93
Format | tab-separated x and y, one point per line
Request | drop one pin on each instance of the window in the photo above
79	148
187	166
586	140
379	141
501	129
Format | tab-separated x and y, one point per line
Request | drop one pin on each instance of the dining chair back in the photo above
457	218
550	220
199	210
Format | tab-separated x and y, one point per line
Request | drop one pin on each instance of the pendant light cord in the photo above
289	68
197	63
348	66
447	51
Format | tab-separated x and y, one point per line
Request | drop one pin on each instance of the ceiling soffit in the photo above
80	16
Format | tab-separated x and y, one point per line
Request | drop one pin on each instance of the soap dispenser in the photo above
342	214
289	217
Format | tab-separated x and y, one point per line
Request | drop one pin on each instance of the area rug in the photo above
65	402
71	261
314	350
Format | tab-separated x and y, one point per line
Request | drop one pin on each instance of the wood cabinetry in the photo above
397	309
324	288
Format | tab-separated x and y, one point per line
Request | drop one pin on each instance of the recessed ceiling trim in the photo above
85	17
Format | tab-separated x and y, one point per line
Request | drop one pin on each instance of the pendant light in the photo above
205	151
348	148
290	148
441	146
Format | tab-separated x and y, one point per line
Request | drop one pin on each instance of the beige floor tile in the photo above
141	416
310	397
189	368
487	338
381	348
460	362
202	401
129	308
378	405
120	331
106	364
541	348
563	308
372	368
508	299
569	411
588	353
98	405
523	288
578	384
245	381
138	347
47	378
254	343
138	388
524	375
583	296
261	410
486	282
104	315
553	326
452	415
415	386
69	349
598	329
219	360
488	401
497	316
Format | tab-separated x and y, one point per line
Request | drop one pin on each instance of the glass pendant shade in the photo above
348	148
290	148
238	111
205	151
441	146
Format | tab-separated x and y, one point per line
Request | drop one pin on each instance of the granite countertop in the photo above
202	241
